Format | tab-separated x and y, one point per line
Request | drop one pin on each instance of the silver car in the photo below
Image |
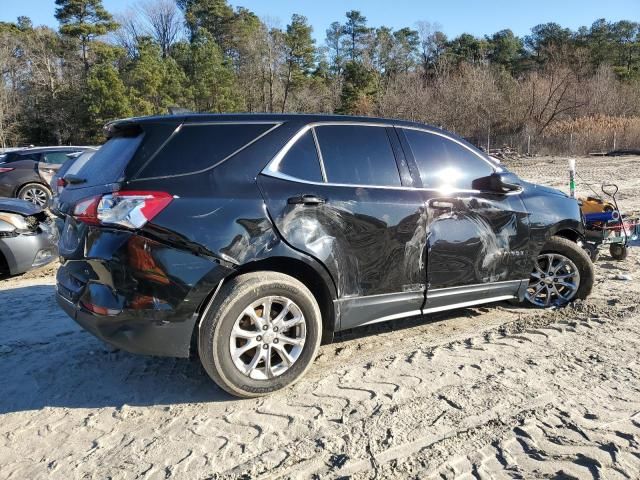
28	237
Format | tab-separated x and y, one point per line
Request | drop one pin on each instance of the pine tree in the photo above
299	53
85	20
105	97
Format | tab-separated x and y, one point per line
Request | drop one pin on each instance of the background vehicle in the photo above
253	237
26	173
27	237
71	166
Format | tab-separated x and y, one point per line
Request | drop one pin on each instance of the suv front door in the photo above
337	192
477	240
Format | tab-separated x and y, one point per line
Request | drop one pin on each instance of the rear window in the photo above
197	147
108	163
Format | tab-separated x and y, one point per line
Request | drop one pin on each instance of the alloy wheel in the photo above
36	195
554	281
268	337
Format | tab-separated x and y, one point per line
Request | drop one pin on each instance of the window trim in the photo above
271	170
182	125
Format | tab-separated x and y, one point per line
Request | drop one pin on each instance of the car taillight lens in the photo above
131	209
6	169
86	210
60	184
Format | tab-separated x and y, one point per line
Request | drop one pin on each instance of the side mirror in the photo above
496	183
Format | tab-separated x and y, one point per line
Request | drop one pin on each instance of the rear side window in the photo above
56	157
357	154
443	162
108	163
197	147
17	157
301	161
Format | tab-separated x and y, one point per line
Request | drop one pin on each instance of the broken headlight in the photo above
11	223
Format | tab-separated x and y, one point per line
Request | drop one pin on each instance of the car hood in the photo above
15	205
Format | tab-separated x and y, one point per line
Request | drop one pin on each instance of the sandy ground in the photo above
495	392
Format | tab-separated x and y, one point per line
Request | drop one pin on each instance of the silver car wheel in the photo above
268	337
554	281
36	195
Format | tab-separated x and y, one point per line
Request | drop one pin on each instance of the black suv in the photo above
251	238
26	173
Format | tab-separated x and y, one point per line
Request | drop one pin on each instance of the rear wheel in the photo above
260	334
563	272
35	193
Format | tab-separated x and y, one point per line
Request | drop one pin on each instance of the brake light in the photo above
60	184
6	169
131	209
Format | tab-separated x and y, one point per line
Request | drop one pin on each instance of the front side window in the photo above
444	163
301	161
357	154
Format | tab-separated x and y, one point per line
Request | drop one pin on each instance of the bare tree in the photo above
159	19
130	31
163	21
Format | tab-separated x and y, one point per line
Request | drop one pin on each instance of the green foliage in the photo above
214	16
355	30
155	83
60	87
212	81
105	98
358	90
85	20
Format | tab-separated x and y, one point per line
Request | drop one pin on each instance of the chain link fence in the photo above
591	173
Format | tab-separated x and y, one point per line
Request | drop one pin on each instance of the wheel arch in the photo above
569	234
320	286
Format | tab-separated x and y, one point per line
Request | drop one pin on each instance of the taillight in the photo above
131	209
86	210
6	169
60	184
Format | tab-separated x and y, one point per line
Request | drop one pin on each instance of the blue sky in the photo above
455	16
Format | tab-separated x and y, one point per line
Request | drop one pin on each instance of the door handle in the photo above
306	200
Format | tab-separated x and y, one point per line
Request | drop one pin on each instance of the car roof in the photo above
302	118
50	149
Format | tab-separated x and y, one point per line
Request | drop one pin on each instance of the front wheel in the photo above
563	272
260	334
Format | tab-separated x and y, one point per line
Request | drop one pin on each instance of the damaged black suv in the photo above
252	238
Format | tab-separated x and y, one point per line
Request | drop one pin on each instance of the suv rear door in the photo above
337	192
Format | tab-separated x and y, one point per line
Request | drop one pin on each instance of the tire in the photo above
226	316
35	193
550	285
618	252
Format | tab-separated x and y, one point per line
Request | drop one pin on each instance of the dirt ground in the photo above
493	392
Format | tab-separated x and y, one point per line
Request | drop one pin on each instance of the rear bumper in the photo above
137	294
133	333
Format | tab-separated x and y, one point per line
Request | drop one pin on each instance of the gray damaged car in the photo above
28	237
